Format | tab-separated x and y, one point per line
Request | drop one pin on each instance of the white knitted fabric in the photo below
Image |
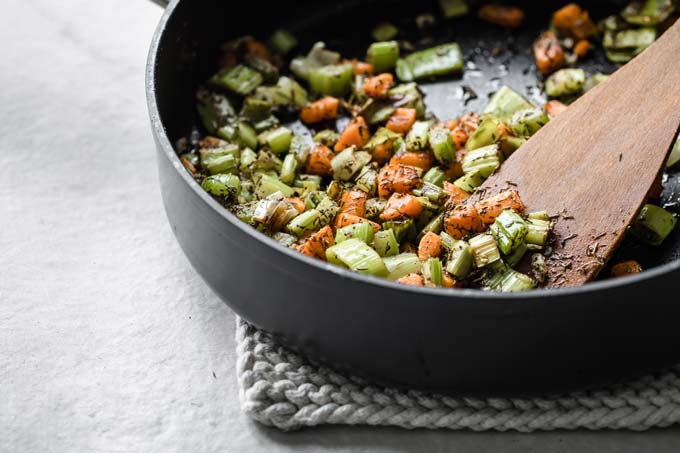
281	388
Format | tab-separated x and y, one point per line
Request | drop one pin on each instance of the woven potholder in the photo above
283	389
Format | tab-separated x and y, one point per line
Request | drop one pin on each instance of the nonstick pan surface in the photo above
454	341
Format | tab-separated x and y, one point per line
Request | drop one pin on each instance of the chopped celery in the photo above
384	31
362	230
332	80
383	55
313	198
539	267
377	111
367	180
441	60
516	255
282	41
327	208
274	211
307	221
538	232
295	95
509	231
674	156
435	226
348	162
356	255
240	79
327	137
565	82
401	265
459	260
317	57
634	40
404	230
653	224
386	243
214	109
469	181
594	80
484	250
516	281
505	102
269	72
416	140
442	145
648	12
374	206
488	132
528	122
483	161
220	160
448	242
334	189
248	156
381	136
509	144
246	135
284	238
432	192
222	185
539	215
288	169
435	176
300	149
268	185
432	272
453	8
278	139
409	96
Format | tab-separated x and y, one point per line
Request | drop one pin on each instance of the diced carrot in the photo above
456	194
353	202
581	48
451	124
319	162
462	220
548	53
401	120
415	159
626	268
454	170
401	205
469	121
355	134
459	137
554	108
491	207
318	242
407	247
360	67
297	203
344	219
575	22
324	109
430	246
378	86
188	165
256	49
397	178
448	281
212	142
411	279
383	152
505	16
462	129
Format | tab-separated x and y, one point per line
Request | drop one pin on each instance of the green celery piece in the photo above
442	145
282	41
539	215
435	225
516	255
565	82
653	224
410	96
356	255
435	176
469	182
268	185
304	223
248	156
441	60
288	169
453	8
384	31
516	281
404	230
377	111
269	72
640	38
527	122
317	57
332	80
484	250
386	243
222	185
539	267
674	156
432	272
294	93
505	102
509	144
328	209
416	140
483	161
278	140
648	12
401	265
285	239
224	159
274	211
383	55
488	132
538	232
240	79
348	162
214	110
362	230
327	137
374	206
509	230
460	259
300	149
367	180
380	137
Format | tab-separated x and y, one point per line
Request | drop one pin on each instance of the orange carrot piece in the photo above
397	178
360	67
324	109
505	16
448	281
401	205
378	86
548	53
353	202
456	194
575	22
318	242
581	48
355	134
491	207
554	108
297	203
422	160
411	279
462	220
626	268
401	120
430	246
211	142
469	121
319	162
344	219
383	152
255	48
188	165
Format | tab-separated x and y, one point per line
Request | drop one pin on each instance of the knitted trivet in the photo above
283	389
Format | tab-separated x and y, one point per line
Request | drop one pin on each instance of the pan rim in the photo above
441	293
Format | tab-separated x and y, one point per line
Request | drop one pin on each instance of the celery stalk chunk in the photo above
356	255
307	221
453	8
505	102
488	133
442	145
401	265
565	82
240	79
509	230
383	55
527	122
653	224
483	161
332	80
432	271
362	231
674	156
460	259
469	181
385	243
222	185
416	140
441	60
484	250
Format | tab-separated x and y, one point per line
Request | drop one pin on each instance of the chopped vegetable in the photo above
626	268
548	53
505	102
412	280
239	79
222	185
402	120
442	60
653	224
324	109
384	31
348	162
401	265
282	41
491	207
484	250
574	22
554	108
332	80
318	243
361	230
509	230
356	255
319	162
565	82
505	16
378	86
355	134
430	246
647	12
528	122
317	57
386	243
453	8
397	178
433	272
383	55
483	161
401	205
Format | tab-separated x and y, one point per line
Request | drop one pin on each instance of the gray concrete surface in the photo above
108	339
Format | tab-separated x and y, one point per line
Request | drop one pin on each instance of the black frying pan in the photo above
455	341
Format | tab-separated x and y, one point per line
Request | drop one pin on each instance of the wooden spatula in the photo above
593	165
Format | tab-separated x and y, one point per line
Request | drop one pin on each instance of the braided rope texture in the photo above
280	388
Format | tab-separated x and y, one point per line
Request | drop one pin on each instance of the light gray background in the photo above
108	339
